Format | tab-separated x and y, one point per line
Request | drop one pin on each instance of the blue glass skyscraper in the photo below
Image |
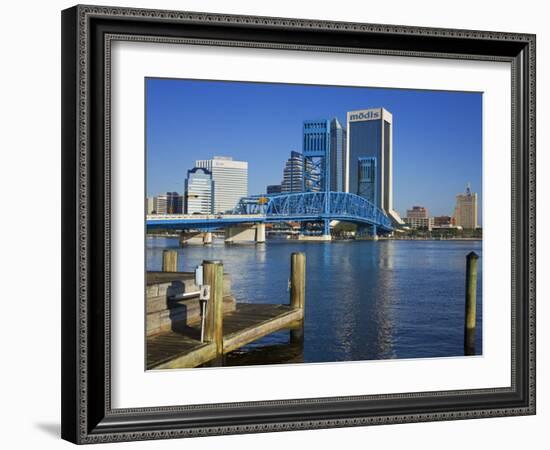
366	178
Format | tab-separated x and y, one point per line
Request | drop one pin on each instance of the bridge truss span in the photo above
296	207
312	206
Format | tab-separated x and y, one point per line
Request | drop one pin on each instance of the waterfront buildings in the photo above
369	156
418	217
169	203
443	221
274	189
230	181
417	212
293	174
159	204
199	191
465	213
415	223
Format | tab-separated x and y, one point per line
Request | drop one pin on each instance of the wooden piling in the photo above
297	280
297	333
470	316
213	277
169	261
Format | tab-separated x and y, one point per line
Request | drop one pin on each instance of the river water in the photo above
365	300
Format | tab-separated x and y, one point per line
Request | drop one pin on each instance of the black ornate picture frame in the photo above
87	34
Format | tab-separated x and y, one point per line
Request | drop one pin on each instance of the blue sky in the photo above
437	135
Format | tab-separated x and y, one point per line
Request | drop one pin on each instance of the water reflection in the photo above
364	300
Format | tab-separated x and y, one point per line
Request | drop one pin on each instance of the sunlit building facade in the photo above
338	158
199	191
230	181
465	214
293	174
169	203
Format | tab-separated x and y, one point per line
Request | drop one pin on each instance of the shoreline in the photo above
175	236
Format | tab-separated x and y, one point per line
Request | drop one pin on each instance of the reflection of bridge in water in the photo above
252	213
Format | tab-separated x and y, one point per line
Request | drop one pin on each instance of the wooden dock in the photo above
226	328
248	323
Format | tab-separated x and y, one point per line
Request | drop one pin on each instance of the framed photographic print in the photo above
267	222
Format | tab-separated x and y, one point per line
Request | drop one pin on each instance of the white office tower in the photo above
230	181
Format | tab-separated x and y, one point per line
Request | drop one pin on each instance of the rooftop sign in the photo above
365	114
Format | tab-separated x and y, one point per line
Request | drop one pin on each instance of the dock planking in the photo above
225	329
248	323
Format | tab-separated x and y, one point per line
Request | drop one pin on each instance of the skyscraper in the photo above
465	214
199	191
293	173
369	158
338	158
230	181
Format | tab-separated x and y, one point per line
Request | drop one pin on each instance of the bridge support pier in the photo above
373	234
182	239
189	237
367	232
241	233
207	238
326	229
194	237
260	233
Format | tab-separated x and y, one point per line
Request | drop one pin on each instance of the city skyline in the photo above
253	123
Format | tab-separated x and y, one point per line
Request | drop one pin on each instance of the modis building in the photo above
369	158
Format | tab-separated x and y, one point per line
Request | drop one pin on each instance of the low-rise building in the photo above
416	223
418	217
443	221
169	203
417	212
274	189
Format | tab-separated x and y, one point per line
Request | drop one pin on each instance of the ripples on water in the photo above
364	300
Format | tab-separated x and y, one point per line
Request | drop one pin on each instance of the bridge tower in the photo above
316	150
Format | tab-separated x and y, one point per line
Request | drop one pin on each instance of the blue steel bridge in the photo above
313	207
